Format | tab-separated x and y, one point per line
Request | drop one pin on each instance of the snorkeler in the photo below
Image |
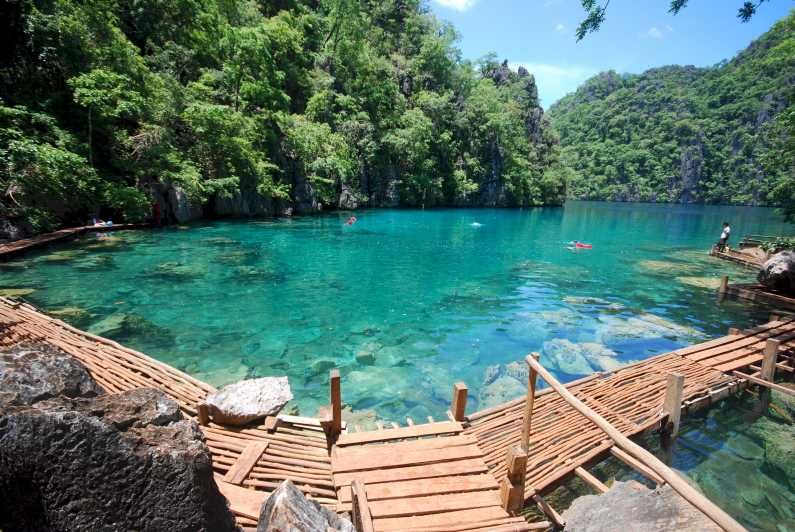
351	220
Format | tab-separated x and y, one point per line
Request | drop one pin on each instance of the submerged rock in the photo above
34	372
633	506
63	256
615	329
122	325
16	292
176	271
287	509
578	359
710	283
124	461
778	272
249	400
503	389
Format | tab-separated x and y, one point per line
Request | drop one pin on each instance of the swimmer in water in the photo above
351	220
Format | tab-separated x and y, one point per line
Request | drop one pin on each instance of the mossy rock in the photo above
63	256
16	292
708	283
176	271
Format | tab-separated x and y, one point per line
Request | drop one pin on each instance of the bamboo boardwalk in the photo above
17	247
738	257
438	476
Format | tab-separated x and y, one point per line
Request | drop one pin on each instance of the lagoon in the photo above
403	302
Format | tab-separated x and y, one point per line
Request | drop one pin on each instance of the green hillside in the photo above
237	107
686	134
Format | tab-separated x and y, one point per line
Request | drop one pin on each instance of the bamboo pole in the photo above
676	482
531	394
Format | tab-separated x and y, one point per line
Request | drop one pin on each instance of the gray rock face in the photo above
633	506
778	272
183	208
248	203
249	400
347	198
124	461
288	510
34	372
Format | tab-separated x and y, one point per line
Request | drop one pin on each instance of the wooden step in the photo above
458	517
415	431
419	487
444	469
388	459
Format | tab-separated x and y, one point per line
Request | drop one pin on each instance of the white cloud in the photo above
560	28
458	5
658	33
555	81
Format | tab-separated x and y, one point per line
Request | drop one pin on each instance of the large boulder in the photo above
34	372
778	272
124	461
633	506
249	400
288	510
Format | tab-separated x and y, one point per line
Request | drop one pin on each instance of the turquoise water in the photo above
738	452
404	302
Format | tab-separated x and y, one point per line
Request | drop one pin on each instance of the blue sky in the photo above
636	35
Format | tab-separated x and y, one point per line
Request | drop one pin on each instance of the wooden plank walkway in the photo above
421	480
436	476
760	294
17	247
738	257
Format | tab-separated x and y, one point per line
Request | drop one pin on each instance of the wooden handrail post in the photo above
673	404
336	402
724	286
202	414
360	507
531	395
769	360
459	404
734	331
512	486
677	483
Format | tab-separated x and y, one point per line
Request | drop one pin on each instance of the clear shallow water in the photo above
404	302
739	454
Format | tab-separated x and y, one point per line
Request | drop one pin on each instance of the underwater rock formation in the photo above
249	400
633	506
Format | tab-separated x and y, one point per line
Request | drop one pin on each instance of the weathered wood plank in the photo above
344	464
416	431
458	467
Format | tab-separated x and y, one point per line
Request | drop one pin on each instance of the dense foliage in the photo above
717	135
261	106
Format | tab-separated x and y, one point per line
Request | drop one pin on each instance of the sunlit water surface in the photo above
404	302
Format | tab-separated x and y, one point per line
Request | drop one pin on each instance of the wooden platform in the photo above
17	247
738	257
435	482
760	294
438	476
